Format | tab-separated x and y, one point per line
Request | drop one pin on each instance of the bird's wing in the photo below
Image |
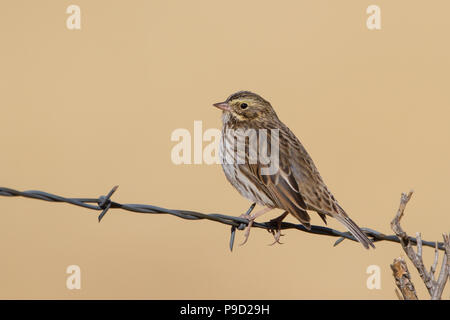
313	190
315	193
283	188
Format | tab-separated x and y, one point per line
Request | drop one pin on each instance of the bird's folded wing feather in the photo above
315	193
283	189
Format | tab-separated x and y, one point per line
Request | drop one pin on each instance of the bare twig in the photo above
435	262
403	279
434	287
445	272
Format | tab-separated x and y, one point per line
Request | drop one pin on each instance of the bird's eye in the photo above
244	105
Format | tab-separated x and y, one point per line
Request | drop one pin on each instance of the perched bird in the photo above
295	187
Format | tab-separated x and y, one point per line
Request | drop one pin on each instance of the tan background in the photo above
84	110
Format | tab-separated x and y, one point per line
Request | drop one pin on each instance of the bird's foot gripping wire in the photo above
276	232
251	218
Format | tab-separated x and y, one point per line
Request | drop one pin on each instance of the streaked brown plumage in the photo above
296	187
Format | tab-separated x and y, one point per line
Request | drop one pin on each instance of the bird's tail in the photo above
355	230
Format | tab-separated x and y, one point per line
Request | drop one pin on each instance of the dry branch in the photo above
434	287
403	279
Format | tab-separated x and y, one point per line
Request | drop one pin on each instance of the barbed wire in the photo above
104	204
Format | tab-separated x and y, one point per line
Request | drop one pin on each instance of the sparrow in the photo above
295	185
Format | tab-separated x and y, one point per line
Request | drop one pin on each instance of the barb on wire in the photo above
104	204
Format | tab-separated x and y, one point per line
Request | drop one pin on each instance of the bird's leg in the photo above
251	218
277	232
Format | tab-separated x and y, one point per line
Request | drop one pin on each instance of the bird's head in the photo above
246	106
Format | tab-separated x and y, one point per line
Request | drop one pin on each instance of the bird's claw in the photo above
276	232
251	219
249	226
276	235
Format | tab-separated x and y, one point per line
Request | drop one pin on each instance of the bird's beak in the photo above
223	106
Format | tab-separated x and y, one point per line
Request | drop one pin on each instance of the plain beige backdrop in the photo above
84	110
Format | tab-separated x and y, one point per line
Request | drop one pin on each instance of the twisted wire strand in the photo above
104	204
